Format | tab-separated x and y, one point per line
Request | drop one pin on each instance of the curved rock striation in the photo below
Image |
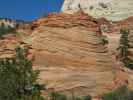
68	20
70	54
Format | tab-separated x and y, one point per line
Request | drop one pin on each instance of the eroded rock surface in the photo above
70	55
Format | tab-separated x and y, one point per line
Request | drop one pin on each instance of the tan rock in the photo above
70	55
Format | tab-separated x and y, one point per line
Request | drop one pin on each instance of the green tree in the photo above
18	81
124	49
124	44
122	93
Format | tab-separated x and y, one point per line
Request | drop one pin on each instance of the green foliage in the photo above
104	40
6	29
123	49
91	7
57	96
124	44
122	93
18	81
78	98
87	97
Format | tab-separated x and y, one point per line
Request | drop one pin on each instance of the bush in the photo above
18	81
122	93
57	96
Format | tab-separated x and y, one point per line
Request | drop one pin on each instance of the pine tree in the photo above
18	81
124	49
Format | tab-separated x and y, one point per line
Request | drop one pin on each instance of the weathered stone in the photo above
69	53
113	10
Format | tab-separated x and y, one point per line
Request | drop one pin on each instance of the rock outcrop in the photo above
111	9
18	24
70	55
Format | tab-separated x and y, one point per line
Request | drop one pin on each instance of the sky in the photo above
28	10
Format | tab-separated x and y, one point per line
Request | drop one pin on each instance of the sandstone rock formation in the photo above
70	55
111	9
68	21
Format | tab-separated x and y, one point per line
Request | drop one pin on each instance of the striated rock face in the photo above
68	21
111	9
8	44
70	55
